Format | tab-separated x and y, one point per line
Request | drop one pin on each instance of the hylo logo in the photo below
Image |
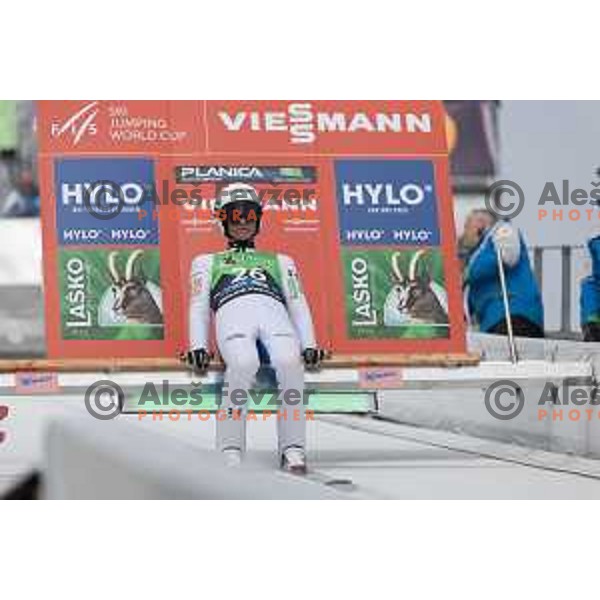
104	194
377	194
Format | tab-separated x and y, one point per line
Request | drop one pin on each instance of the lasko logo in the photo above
387	202
78	125
109	294
304	123
99	201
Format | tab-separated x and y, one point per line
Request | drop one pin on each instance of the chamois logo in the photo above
133	299
413	295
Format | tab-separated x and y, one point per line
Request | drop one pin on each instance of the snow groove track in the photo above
421	463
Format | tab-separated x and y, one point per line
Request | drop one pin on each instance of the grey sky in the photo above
550	141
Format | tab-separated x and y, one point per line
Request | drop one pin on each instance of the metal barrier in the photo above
561	267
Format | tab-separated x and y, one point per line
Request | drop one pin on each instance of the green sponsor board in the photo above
395	294
185	399
110	294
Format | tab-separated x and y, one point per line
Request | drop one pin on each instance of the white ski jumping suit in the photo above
254	296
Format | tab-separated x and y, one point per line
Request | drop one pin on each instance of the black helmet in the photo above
238	201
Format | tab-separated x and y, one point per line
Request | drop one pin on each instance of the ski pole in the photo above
511	339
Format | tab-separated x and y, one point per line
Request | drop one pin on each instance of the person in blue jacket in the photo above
590	296
482	279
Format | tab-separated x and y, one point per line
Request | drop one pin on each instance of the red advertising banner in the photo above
356	193
325	127
132	126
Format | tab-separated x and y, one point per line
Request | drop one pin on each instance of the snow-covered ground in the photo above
382	459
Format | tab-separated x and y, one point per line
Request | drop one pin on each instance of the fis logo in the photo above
387	202
78	124
304	124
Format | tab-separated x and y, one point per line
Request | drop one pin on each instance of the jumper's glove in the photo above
198	360
312	358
